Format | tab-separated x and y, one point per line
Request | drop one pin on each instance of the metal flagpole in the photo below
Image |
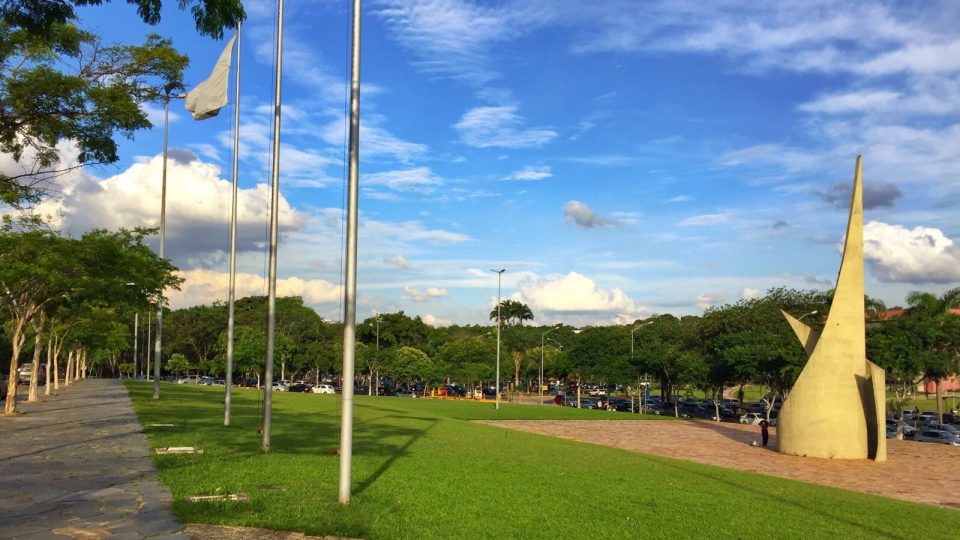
350	270
274	203
163	224
146	346
497	389
136	334
231	295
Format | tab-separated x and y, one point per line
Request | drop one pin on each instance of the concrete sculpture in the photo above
836	408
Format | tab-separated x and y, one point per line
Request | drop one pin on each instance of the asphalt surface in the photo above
77	465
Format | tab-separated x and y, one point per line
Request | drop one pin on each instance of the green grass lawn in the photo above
422	469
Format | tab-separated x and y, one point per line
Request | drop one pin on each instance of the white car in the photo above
279	387
323	389
752	418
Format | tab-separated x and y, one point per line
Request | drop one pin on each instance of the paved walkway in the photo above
77	465
914	471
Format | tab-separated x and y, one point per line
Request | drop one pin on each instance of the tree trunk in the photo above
939	402
69	372
46	387
56	365
10	406
33	395
716	403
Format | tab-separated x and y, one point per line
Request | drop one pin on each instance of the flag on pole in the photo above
208	97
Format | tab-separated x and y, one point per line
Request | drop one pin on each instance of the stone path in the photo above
77	465
914	471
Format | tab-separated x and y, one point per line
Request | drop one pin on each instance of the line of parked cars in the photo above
924	427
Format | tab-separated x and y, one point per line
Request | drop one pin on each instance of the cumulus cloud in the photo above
581	215
708	300
574	294
203	286
489	127
918	255
435	321
198	206
750	294
416	295
875	195
531	172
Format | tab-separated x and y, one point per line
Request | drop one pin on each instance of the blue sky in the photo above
618	158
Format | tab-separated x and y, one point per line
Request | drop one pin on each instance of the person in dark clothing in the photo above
765	431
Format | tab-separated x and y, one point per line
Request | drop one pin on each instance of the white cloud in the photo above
704	219
678	198
918	255
847	102
916	58
708	300
203	286
531	172
197	213
751	294
399	261
581	215
574	294
434	321
420	179
377	141
416	295
448	38
488	127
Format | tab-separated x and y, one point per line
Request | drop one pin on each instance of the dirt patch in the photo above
918	472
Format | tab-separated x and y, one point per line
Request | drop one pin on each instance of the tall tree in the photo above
59	82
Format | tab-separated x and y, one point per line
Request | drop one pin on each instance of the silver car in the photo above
937	436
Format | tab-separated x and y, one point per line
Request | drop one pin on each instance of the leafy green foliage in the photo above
60	83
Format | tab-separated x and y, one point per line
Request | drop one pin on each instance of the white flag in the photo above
208	97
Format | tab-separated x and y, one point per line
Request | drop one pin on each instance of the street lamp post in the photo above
542	337
497	389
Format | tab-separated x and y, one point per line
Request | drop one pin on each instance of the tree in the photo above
39	269
60	83
512	312
177	364
195	331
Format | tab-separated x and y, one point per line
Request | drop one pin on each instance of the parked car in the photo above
908	430
587	404
757	408
23	373
206	381
753	418
279	386
943	427
219	382
936	436
323	389
190	379
925	418
300	387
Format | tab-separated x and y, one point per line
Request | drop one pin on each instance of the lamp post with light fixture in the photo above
542	337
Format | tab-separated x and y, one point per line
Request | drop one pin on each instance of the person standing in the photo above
765	431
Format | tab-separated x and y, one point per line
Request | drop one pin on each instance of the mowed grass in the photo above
423	469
